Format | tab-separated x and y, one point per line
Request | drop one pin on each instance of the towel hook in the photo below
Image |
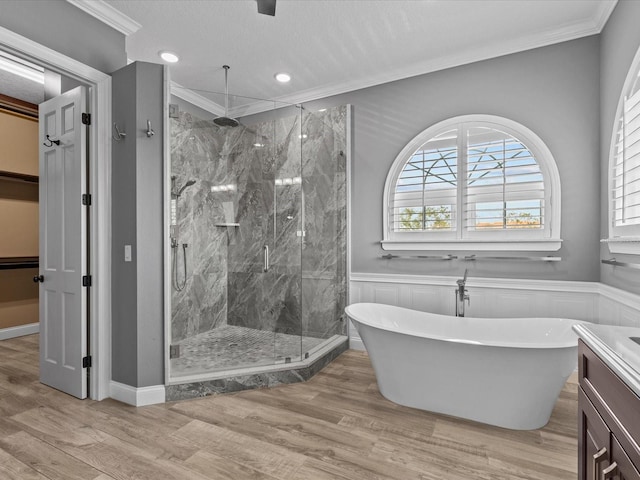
119	136
150	132
51	142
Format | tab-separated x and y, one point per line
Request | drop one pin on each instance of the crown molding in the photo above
588	27
108	15
605	9
195	99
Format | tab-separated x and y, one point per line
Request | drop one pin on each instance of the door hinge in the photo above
86	280
86	362
86	119
86	199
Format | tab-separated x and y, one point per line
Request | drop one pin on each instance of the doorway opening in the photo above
99	149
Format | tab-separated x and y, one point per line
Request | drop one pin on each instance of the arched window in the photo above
624	168
473	182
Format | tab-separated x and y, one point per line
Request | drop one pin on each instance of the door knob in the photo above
38	278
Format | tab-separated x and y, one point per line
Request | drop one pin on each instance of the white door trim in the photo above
100	180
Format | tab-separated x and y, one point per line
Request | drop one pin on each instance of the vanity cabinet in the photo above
608	422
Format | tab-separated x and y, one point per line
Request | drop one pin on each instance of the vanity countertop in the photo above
614	346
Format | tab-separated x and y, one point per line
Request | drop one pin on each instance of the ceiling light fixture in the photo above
283	77
22	68
169	57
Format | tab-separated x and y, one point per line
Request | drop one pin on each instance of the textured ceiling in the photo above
17	87
334	46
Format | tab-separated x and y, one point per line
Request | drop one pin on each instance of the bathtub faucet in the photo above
462	294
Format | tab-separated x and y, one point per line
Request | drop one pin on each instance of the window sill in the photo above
628	245
545	245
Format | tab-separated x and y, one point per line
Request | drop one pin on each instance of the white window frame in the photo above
546	239
624	238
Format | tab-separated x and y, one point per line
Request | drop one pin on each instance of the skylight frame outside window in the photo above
460	236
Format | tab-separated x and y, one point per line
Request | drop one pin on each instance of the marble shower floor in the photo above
231	347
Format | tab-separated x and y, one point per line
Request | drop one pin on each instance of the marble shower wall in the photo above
260	177
202	304
324	252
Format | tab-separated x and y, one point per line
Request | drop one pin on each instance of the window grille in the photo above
469	179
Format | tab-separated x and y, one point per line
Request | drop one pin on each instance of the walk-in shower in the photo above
266	226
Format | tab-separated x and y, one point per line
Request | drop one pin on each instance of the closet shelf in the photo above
21	177
13	263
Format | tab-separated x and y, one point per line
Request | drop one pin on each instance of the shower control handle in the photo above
266	258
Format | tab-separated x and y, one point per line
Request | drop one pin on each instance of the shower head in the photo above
226	121
188	184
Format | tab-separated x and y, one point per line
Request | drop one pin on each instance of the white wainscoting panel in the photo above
430	299
387	295
498	297
579	306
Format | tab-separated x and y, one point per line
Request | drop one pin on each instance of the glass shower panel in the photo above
324	263
288	235
247	154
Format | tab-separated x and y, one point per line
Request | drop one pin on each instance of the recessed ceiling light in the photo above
283	77
169	57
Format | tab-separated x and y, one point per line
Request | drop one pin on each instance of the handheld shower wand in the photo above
178	285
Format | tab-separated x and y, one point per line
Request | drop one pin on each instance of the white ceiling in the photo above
17	87
334	46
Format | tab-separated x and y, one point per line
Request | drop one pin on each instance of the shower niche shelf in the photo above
227	224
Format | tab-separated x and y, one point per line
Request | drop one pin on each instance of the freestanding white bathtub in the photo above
506	372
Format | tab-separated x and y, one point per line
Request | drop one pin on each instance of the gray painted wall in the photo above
137	173
124	293
553	91
620	41
66	29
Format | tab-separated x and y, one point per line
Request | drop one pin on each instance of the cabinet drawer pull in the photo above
610	472
597	458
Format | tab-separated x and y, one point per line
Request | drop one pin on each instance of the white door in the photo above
63	243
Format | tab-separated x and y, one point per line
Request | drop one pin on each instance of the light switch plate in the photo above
127	253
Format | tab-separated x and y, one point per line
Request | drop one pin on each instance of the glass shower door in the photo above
264	299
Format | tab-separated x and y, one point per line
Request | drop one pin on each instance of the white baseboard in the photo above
137	397
12	332
356	344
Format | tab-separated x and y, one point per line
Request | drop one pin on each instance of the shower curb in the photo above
237	383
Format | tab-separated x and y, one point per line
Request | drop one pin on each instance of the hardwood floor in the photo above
336	426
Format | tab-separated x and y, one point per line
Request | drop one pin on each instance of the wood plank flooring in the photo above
336	426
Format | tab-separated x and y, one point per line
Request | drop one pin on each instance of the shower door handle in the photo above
266	258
